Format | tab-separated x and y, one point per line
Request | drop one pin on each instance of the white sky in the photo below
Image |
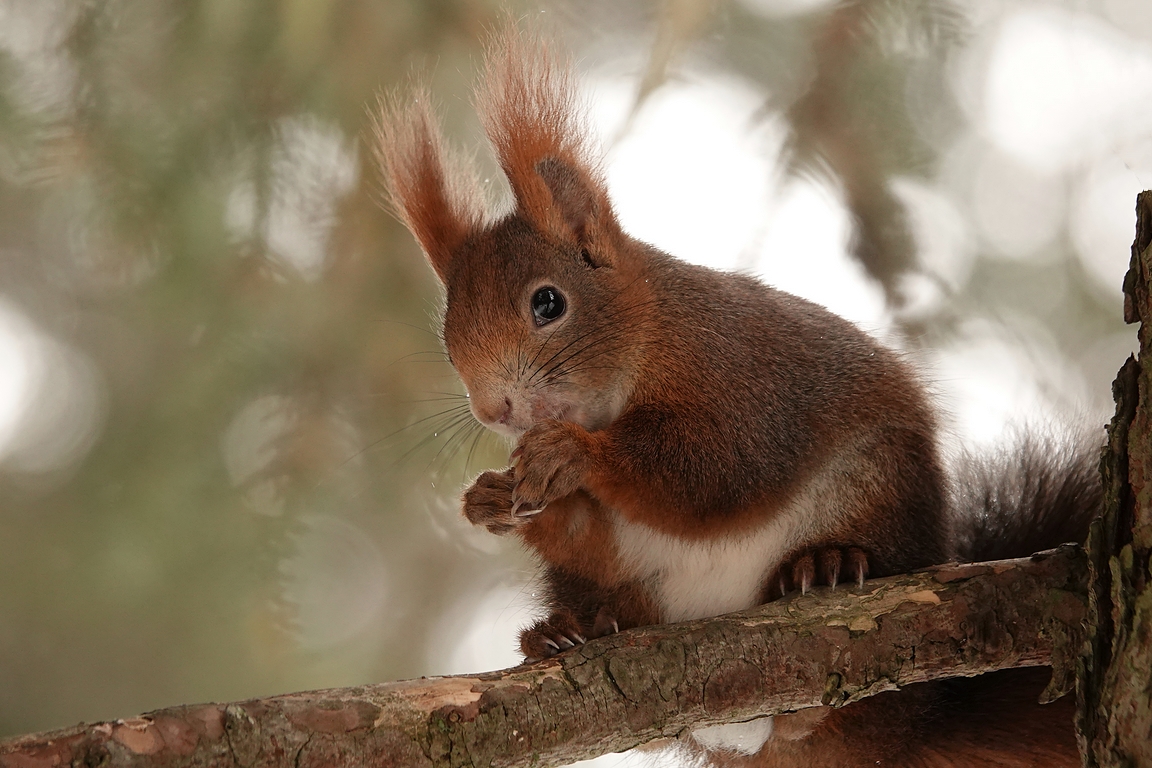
698	176
1062	87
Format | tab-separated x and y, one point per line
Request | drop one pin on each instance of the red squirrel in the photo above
690	442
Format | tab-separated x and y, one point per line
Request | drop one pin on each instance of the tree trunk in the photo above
1115	677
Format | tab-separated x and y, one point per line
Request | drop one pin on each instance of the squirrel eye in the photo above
547	305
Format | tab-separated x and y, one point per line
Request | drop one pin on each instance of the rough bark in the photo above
827	647
1115	677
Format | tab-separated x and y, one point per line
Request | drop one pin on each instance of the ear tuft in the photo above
531	111
427	186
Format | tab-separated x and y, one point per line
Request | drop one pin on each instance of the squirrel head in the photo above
546	305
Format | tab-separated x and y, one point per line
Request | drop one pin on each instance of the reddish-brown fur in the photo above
700	406
429	190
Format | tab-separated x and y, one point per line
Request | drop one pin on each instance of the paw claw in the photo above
524	509
858	564
822	566
556	634
804	573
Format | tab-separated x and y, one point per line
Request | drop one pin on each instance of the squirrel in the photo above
690	442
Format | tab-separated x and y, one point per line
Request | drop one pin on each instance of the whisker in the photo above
478	431
607	344
446	426
576	363
461	437
390	435
442	355
444	399
414	327
454	432
595	343
595	312
532	362
559	376
599	327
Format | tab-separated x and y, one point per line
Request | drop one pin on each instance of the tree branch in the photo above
827	647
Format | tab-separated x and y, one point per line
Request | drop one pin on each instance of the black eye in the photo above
547	305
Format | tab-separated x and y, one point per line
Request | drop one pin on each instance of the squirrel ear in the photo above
427	187
578	203
532	113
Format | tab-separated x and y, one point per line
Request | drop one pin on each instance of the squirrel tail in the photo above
1040	491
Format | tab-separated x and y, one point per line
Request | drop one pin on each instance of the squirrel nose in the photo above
493	412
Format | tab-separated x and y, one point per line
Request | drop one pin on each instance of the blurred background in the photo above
228	461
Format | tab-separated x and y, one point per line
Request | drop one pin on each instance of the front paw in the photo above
550	463
488	502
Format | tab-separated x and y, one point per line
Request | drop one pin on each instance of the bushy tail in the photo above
1038	493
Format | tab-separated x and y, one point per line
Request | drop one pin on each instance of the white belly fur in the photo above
697	579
